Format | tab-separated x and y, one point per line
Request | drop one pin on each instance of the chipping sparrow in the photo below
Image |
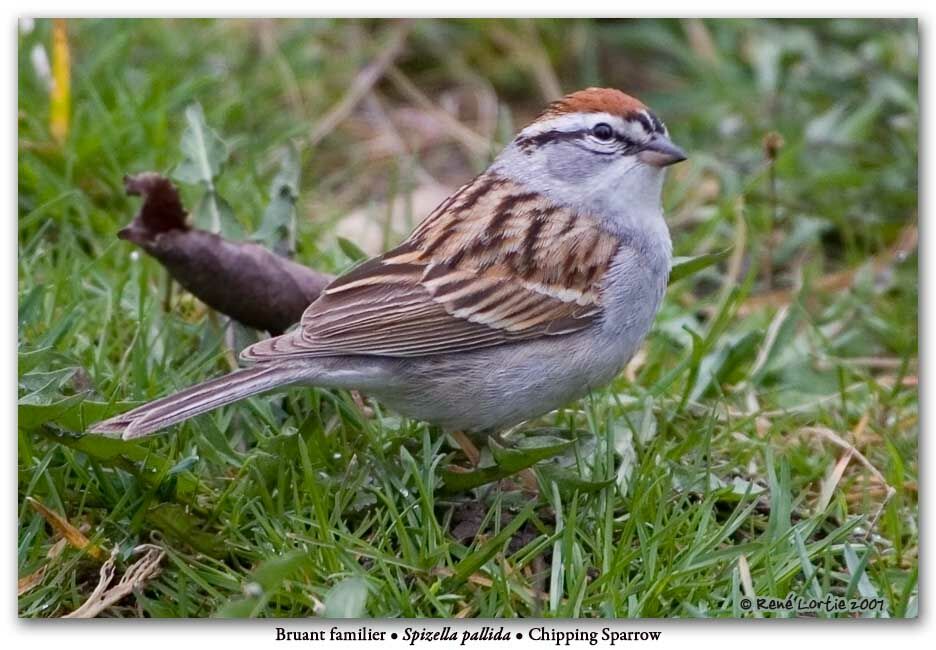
526	288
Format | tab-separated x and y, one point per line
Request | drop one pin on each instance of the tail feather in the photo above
154	416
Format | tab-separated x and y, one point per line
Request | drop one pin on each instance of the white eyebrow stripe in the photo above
573	122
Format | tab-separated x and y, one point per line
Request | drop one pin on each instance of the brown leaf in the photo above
161	211
242	280
61	525
31	581
56	549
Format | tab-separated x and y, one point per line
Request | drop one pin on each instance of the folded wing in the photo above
493	264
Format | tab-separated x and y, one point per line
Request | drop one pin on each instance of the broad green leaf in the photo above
102	448
569	480
44	387
271	573
693	479
347	599
214	214
464	481
508	461
204	154
238	608
518	458
74	413
203	149
32	416
46	355
278	225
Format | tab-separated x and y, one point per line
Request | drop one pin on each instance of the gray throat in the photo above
627	200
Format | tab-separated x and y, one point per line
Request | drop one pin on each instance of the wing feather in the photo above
492	265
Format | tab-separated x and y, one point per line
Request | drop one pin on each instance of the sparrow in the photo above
528	287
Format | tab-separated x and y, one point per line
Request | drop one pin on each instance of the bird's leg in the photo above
468	447
358	399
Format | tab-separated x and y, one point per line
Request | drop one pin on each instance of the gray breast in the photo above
633	289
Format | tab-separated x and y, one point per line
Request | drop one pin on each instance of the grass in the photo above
709	470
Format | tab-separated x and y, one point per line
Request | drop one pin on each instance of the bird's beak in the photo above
661	152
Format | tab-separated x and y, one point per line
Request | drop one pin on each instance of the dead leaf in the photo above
833	437
831	481
34	579
56	549
242	280
135	577
61	525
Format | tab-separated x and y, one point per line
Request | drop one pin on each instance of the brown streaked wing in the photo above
492	265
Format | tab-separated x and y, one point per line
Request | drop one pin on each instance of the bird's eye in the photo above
603	131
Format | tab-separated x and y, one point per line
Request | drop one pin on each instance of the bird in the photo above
527	288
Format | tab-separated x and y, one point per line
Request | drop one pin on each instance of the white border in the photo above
259	634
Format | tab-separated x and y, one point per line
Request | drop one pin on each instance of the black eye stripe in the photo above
645	121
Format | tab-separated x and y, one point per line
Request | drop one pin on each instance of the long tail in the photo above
164	412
